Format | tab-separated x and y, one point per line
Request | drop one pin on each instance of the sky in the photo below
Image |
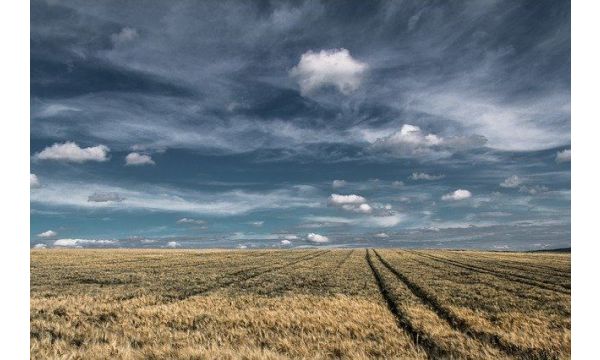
258	124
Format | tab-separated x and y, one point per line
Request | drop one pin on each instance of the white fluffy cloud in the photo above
336	199
338	183
381	235
457	195
286	242
316	238
135	158
47	234
511	182
173	244
411	141
82	242
126	35
34	182
40	246
563	156
424	176
352	202
71	152
334	67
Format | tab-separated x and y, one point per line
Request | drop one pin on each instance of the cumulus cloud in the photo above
511	182
100	197
173	244
411	141
563	156
457	195
188	221
352	199
83	242
40	246
381	235
286	242
424	176
334	67
338	183
135	158
71	152
34	182
47	234
126	35
316	238
352	202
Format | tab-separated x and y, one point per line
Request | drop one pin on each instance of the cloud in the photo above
47	234
533	190
71	152
126	35
338	183
101	197
173	244
563	156
83	242
34	182
511	182
411	141
389	220
40	246
188	221
257	223
398	183
352	199
55	109
381	235
135	158
334	67
286	242
362	208
423	176
170	199
352	202
290	237
316	238
457	195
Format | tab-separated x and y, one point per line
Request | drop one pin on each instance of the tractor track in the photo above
460	324
501	275
421	339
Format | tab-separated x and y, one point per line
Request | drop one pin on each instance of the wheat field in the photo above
299	304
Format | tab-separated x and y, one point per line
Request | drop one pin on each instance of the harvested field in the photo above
309	304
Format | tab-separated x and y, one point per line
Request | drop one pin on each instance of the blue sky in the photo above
294	124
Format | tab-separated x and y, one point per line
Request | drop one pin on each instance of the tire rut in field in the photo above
460	324
251	276
489	283
505	276
422	340
536	268
341	263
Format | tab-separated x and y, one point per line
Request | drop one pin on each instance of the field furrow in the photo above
512	277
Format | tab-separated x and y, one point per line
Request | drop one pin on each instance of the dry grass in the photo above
309	304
